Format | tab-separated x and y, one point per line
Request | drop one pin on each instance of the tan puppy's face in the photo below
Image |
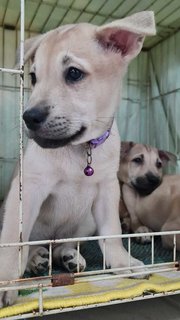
75	88
141	166
76	77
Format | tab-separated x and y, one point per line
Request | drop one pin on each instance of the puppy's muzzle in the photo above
50	132
145	185
35	117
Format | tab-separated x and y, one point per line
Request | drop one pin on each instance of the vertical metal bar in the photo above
174	248
21	135
78	256
152	250
50	259
40	300
104	254
129	252
148	115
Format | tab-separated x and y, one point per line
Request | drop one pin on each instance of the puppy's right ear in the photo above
30	47
126	146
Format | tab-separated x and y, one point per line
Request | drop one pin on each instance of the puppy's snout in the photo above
35	117
146	184
153	179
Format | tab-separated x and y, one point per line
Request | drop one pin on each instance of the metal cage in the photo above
79	277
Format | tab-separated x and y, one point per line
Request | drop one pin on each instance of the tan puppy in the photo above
76	75
152	200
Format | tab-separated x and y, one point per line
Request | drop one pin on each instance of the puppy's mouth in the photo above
57	143
145	189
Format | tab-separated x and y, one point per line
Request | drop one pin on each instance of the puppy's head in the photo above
76	78
141	166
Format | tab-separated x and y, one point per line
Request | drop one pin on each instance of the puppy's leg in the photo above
130	201
124	217
171	225
66	254
106	214
35	191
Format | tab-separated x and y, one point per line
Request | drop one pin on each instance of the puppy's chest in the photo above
68	202
69	165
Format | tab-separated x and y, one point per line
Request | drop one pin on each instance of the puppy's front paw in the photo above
38	261
70	261
137	263
8	298
130	272
143	239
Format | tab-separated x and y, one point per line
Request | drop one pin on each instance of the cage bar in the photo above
21	135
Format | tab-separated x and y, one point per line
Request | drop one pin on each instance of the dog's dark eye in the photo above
74	74
138	160
158	164
33	78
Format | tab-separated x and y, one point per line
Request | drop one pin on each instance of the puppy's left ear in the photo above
166	157
126	36
126	146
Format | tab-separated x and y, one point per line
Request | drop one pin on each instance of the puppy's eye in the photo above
158	164
33	78
74	74
138	160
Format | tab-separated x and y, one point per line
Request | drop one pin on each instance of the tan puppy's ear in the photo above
32	44
166	157
30	47
126	146
126	36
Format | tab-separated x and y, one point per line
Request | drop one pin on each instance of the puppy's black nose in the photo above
153	179
146	184
35	117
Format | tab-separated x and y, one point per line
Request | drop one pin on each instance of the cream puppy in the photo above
76	75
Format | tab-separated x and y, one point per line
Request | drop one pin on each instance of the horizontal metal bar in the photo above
22	281
14	71
24	287
95	305
28	283
127	275
93	238
150	266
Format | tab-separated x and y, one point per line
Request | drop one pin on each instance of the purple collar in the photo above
89	171
98	141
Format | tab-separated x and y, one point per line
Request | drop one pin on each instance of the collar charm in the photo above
92	144
88	171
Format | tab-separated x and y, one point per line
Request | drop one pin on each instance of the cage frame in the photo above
46	281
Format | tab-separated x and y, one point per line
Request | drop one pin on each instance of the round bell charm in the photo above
88	171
